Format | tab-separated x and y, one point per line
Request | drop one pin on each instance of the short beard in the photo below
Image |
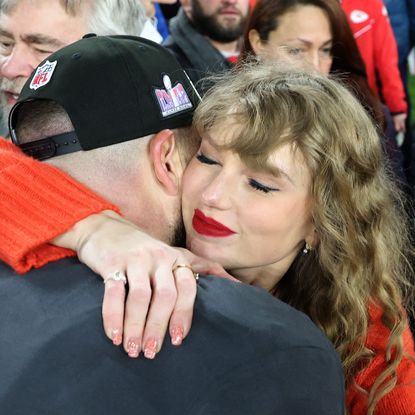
13	86
210	27
4	125
4	113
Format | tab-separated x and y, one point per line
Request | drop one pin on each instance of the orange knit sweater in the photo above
38	202
401	400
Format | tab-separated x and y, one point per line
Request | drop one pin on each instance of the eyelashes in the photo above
254	184
261	187
205	160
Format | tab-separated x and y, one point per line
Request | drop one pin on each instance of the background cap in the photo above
114	89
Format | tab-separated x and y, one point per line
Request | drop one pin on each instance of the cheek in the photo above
284	222
325	68
192	185
209	6
271	51
244	6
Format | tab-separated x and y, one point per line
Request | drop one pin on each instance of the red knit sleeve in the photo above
401	400
37	203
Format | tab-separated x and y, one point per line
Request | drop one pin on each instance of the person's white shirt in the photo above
150	31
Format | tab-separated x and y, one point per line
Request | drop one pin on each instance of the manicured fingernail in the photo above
116	337
177	335
132	348
150	349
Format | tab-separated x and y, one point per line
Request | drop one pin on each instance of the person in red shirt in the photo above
370	25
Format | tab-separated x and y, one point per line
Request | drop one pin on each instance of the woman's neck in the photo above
265	276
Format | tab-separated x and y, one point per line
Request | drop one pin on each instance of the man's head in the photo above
30	30
113	112
220	20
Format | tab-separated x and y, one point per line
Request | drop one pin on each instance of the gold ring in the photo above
116	276
195	274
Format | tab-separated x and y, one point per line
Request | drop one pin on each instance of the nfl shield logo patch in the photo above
42	75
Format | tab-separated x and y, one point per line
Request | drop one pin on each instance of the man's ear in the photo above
166	161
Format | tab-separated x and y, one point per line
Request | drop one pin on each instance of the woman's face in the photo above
303	37
252	222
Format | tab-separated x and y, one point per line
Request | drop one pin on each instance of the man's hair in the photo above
42	119
104	17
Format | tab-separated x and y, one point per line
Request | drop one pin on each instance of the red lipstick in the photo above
208	226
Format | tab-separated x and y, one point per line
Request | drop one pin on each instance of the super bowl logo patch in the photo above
43	75
172	99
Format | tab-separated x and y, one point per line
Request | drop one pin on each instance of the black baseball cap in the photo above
113	88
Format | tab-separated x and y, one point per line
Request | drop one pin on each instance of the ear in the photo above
312	238
166	161
256	43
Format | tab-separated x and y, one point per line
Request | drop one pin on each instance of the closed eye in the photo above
5	46
261	187
206	160
295	51
44	51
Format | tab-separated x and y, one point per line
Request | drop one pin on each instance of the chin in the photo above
209	251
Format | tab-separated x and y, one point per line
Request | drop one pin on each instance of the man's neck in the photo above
231	47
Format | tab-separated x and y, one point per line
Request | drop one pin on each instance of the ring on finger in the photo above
116	276
195	274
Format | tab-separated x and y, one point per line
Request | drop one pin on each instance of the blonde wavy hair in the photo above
364	251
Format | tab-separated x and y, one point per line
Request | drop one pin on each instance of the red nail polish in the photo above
116	337
132	348
177	335
150	349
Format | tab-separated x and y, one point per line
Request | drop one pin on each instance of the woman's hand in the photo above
160	295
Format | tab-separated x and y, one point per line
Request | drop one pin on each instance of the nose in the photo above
218	192
17	64
315	61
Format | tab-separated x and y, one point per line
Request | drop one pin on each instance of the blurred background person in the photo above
371	28
30	30
370	25
402	19
312	33
156	26
205	35
316	33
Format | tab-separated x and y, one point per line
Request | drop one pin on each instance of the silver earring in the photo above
307	248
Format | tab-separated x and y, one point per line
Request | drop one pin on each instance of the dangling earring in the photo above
307	248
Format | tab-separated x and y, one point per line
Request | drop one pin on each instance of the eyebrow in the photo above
5	33
41	39
276	172
36	38
308	42
267	168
